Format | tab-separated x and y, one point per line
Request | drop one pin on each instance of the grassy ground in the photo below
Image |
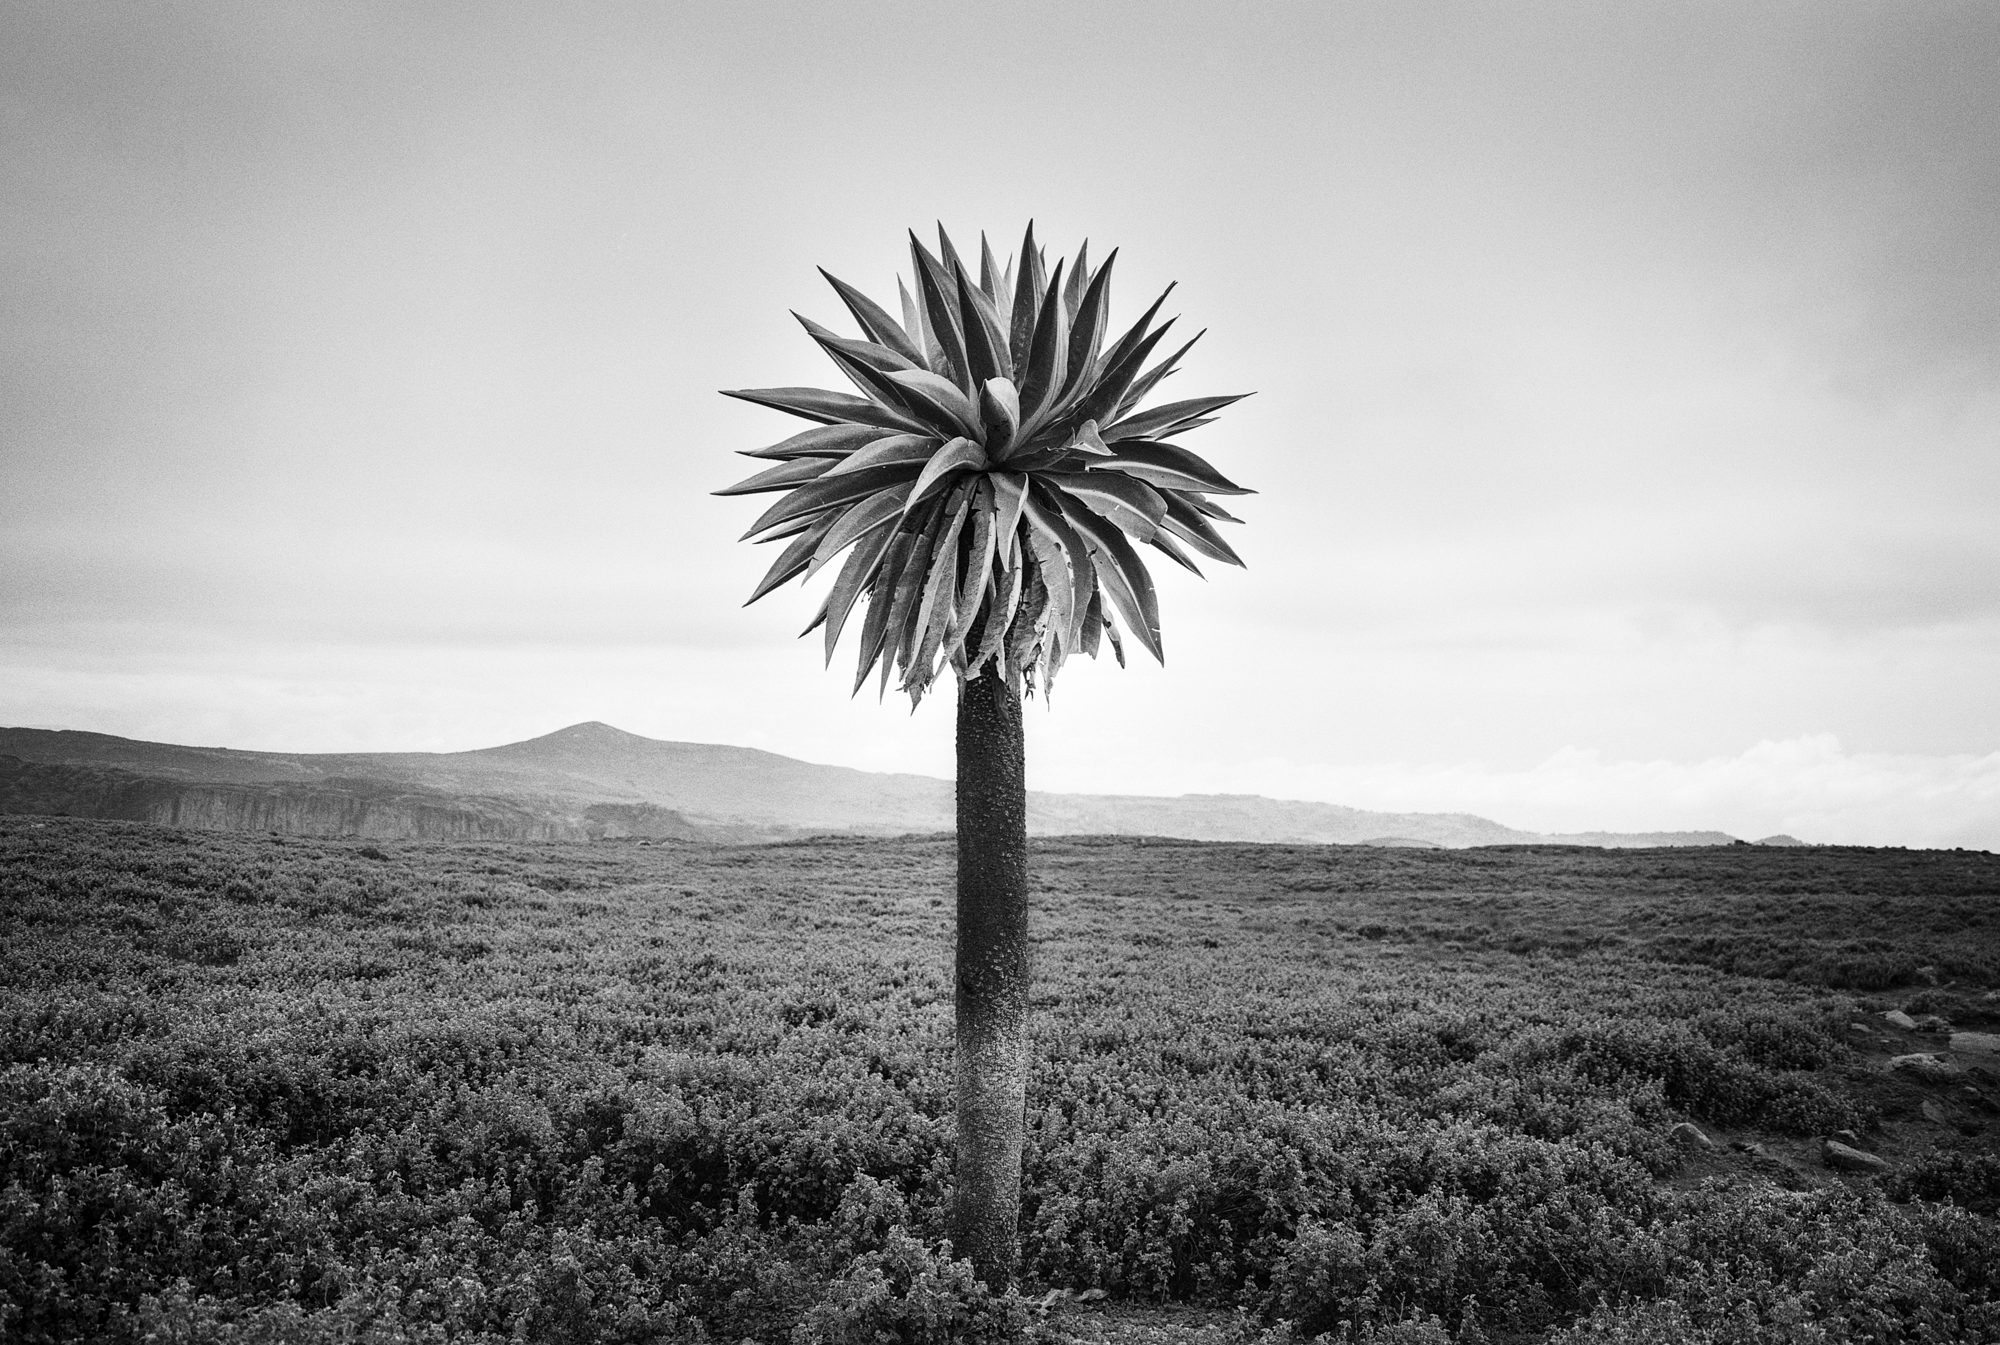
266	1088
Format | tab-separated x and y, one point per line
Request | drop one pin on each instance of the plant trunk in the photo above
992	960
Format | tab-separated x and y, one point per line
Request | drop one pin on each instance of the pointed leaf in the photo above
1107	392
856	521
935	291
1032	628
1122	575
881	598
1028	289
880	327
1047	354
1168	465
1186	522
827	492
826	407
790	529
991	277
1131	504
1164	543
1045	516
920	331
792	560
867	365
985	347
1086	333
948	257
909	596
1092	627
823	441
1053	562
781	477
1121	349
1144	384
863	564
927	621
896	448
870	353
1079	276
1003	600
1162	419
931	629
978	554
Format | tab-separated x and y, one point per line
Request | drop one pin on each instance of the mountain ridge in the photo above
593	779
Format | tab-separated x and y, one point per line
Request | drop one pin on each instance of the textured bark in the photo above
992	961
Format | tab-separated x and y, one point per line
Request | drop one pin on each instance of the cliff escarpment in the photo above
333	807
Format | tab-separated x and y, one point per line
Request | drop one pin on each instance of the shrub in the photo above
912	1293
1968	1180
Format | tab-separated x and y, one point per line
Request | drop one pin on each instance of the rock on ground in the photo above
1687	1135
1846	1159
1927	1067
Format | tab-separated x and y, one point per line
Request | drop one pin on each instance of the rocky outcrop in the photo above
356	808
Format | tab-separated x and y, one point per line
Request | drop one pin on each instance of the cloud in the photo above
1904	138
1809	787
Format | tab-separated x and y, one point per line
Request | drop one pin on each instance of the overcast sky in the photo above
1627	422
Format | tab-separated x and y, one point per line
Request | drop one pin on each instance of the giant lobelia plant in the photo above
989	487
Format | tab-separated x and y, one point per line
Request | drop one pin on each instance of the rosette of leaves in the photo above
987	487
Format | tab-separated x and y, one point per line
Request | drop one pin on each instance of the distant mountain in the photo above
587	781
1615	840
592	780
1251	817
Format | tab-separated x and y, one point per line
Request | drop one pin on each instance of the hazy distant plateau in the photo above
593	781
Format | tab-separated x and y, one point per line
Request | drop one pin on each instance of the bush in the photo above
1714	1084
1531	1232
911	1293
1969	1180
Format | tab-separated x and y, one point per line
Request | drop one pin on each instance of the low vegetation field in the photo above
264	1089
